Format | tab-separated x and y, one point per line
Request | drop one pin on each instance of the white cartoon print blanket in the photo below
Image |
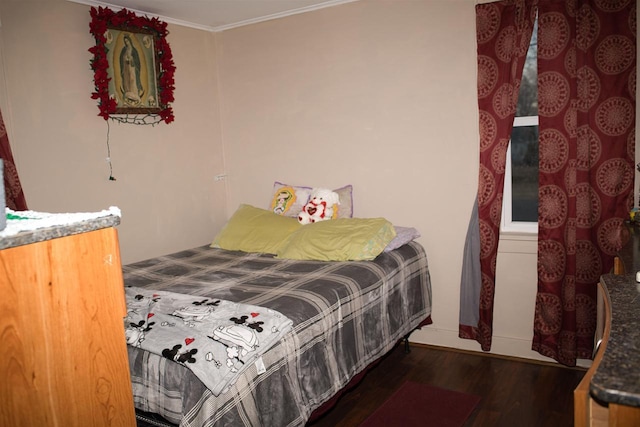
214	338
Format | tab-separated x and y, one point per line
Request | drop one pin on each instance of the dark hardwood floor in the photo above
514	392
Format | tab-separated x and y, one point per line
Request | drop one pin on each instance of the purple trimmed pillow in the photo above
403	236
288	200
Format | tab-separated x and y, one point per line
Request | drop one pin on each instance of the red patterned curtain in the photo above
586	107
14	197
503	34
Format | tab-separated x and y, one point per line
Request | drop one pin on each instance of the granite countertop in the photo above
26	227
617	378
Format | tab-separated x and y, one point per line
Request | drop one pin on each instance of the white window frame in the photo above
507	225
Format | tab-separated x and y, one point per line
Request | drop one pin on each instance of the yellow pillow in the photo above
252	229
342	239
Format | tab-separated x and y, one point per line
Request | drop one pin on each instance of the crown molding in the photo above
220	28
282	14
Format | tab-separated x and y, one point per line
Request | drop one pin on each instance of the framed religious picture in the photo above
132	63
132	71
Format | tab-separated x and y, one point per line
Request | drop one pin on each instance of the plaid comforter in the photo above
345	316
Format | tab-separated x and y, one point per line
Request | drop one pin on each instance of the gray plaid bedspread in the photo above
345	316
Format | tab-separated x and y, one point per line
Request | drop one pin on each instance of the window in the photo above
520	198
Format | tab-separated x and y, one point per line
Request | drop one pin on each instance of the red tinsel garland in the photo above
102	18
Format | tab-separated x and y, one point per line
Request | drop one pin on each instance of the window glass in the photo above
528	95
521	179
524	174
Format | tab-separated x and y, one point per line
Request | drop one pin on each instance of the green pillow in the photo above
342	239
252	229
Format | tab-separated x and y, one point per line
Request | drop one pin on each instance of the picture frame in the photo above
133	65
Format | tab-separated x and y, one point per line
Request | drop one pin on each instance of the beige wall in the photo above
380	94
165	186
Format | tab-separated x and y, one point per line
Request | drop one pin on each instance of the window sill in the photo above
517	242
518	235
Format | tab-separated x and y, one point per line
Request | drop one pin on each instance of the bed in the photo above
345	315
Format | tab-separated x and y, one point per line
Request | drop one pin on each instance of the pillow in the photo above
252	229
403	236
343	239
288	200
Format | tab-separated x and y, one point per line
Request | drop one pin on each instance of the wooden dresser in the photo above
62	305
609	394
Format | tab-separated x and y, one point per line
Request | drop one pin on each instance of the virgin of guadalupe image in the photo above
131	87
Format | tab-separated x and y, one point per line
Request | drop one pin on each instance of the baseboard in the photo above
503	346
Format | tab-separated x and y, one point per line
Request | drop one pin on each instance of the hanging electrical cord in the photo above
135	119
111	177
138	119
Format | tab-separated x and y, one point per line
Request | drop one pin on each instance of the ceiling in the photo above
214	15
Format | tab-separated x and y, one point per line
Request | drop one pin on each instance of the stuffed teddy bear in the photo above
319	207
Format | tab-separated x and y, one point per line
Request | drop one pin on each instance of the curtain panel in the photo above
14	196
586	107
503	31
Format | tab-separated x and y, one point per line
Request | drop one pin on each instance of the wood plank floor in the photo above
514	392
